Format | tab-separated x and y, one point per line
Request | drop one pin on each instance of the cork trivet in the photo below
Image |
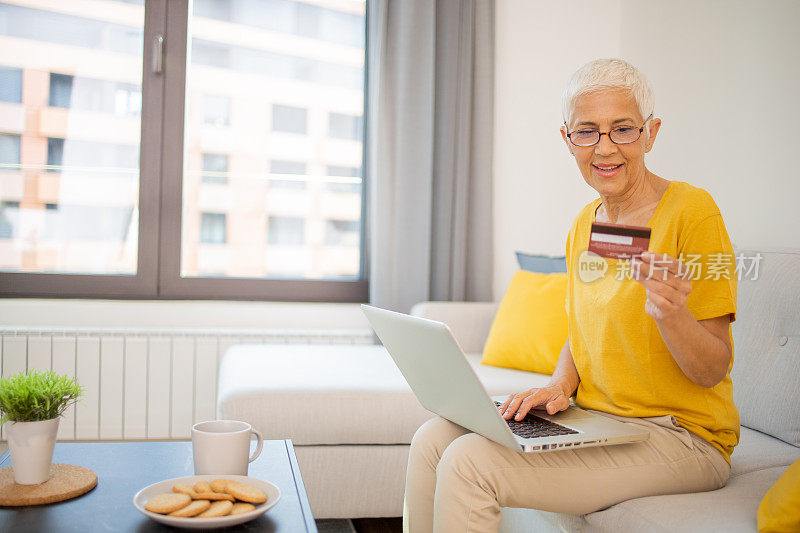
66	481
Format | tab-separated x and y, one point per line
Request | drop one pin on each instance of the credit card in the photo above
618	241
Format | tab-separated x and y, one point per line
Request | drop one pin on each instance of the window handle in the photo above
158	54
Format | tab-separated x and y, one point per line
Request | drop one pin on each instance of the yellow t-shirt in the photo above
624	366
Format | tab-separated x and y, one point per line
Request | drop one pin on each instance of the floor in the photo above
361	525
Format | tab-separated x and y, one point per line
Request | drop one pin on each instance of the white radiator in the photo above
141	384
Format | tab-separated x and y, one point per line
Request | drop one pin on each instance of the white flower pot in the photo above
31	446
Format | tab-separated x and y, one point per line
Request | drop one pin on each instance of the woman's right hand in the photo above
552	398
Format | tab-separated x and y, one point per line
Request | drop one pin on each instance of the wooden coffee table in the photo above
123	468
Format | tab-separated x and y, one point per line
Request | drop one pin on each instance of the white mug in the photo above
223	447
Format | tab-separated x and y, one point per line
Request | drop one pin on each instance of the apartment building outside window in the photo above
216	177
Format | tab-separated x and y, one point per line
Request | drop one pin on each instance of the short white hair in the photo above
604	75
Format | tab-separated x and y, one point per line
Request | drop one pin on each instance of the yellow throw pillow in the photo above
779	511
530	327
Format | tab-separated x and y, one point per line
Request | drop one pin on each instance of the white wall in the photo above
179	314
727	81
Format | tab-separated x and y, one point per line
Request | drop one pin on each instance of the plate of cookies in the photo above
198	502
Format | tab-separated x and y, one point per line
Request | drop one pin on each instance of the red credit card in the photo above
618	241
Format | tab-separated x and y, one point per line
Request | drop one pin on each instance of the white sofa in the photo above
351	415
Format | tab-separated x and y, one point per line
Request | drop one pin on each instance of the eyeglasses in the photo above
621	135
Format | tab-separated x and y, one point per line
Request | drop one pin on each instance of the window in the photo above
212	228
216	110
289	119
287	230
215	168
80	219
341	232
344	186
63	153
9	149
347	172
55	154
287	167
209	179
345	127
91	94
291	168
9	219
60	90
106	224
10	84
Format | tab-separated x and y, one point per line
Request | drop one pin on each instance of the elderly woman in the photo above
650	347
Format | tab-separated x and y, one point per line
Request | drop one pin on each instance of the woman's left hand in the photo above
666	282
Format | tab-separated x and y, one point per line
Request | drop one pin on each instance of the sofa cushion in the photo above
766	335
731	509
530	327
469	321
544	264
757	451
334	394
734	505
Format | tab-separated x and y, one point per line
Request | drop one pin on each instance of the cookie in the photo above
240	507
184	488
167	503
218	508
213	496
194	508
246	493
218	485
203	486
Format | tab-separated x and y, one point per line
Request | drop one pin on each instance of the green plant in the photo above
36	396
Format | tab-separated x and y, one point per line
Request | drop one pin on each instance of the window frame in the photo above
161	162
144	284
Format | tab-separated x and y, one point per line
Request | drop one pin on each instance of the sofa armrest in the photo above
469	321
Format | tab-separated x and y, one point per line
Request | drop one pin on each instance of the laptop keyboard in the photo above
532	427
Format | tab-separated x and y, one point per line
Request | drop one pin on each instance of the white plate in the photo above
165	487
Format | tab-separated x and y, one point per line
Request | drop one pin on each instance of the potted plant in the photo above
32	404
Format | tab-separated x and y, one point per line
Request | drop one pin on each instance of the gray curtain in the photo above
429	150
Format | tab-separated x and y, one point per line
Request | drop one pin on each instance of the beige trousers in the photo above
458	480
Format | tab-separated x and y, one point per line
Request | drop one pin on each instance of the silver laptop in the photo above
435	367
